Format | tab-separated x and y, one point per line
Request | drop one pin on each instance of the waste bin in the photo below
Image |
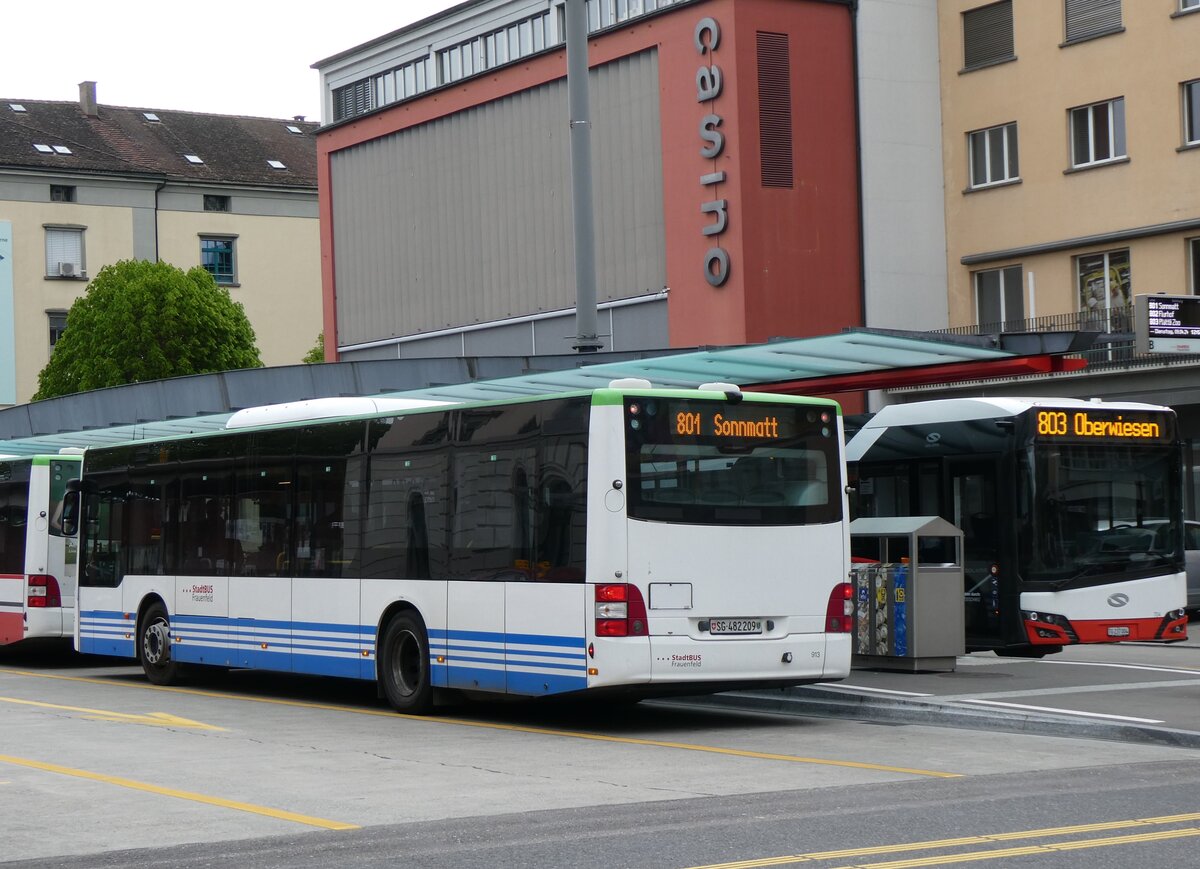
908	588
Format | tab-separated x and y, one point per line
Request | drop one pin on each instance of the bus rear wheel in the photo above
404	664
154	646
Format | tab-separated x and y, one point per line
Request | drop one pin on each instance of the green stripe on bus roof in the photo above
617	396
600	397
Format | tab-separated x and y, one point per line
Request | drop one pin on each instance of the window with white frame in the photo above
1086	19
998	297
993	155
1105	288
217	255
64	251
1191	112
1188	5
987	35
1098	133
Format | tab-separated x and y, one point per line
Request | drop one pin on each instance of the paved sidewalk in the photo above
1135	692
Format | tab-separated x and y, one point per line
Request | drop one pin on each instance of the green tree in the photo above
317	353
140	320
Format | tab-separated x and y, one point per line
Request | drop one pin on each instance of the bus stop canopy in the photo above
849	361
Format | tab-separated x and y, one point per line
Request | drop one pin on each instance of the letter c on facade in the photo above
709	26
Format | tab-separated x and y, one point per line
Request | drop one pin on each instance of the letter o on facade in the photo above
716	266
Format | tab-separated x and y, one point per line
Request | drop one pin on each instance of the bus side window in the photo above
561	510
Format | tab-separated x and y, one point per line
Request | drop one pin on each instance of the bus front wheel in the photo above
154	645
404	664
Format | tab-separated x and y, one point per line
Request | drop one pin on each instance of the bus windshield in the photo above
1098	510
697	461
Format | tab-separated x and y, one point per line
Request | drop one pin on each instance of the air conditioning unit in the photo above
66	270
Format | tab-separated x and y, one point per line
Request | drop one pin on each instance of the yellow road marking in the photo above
514	728
973	856
933	844
182	795
157	719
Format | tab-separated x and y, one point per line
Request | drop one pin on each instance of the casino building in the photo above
726	170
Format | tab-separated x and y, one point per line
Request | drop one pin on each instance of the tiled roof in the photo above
122	140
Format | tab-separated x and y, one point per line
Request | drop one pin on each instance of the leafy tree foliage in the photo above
317	353
141	320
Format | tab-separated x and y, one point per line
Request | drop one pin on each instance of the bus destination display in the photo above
1088	426
719	425
667	421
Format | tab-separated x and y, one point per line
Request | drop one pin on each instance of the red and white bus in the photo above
1071	512
37	560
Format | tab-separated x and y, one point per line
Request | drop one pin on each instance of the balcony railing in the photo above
1112	348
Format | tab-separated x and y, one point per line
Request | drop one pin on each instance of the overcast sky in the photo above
233	58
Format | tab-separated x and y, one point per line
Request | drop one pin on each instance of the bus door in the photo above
488	551
973	506
253	545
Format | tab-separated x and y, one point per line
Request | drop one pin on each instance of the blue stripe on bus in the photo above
475	678
237	642
320	665
501	637
118	648
538	684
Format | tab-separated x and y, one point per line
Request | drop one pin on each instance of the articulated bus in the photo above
37	560
1071	512
624	540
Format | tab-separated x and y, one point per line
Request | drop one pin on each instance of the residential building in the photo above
1071	156
83	185
1072	180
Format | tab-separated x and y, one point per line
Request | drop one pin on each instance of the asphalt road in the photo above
99	768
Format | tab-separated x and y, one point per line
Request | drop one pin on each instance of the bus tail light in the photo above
839	615
43	592
620	611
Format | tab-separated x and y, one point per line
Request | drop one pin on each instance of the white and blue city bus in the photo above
626	539
37	559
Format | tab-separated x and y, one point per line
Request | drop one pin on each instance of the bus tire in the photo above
404	664
154	646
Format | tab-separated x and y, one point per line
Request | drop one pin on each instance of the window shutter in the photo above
1087	18
987	35
64	246
774	110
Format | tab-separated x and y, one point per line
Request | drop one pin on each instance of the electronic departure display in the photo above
1167	324
1085	425
656	420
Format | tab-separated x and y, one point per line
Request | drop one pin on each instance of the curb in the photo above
832	703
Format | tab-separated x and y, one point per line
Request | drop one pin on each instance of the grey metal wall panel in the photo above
557	334
467	219
638	327
438	345
513	339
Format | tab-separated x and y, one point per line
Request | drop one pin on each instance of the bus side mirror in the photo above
70	509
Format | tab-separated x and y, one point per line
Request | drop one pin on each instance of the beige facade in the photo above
1044	213
277	263
278	272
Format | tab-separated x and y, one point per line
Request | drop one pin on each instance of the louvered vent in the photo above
775	109
1088	18
987	35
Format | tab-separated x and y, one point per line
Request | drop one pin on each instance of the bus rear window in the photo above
707	462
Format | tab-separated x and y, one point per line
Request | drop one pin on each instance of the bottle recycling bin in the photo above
907	573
